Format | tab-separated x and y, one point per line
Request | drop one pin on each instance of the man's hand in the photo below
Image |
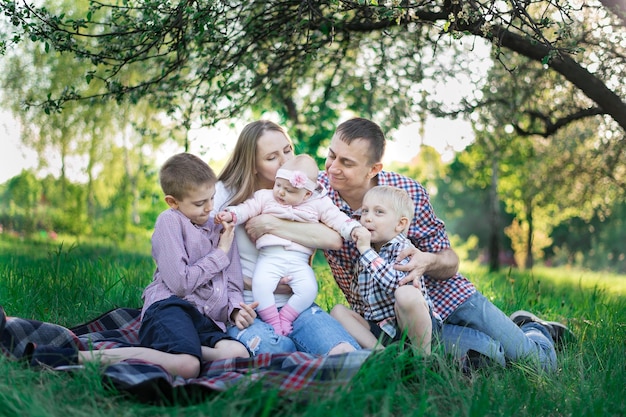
312	235
416	266
244	317
441	265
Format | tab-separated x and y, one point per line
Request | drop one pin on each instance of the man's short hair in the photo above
359	128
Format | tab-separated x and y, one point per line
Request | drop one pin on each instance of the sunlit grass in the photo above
71	283
587	280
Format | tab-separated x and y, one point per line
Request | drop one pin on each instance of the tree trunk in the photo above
494	219
529	238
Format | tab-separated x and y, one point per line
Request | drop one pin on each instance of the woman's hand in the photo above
259	225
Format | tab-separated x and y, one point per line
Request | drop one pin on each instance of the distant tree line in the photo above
34	208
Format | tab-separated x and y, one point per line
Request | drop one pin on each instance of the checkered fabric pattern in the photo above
289	372
427	233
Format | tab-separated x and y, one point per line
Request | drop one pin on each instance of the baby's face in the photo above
288	195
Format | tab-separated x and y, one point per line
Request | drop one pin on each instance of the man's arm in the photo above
312	235
441	265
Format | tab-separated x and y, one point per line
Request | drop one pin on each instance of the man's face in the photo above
348	165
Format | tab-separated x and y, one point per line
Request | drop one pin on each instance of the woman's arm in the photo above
312	235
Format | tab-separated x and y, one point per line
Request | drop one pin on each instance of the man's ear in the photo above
171	201
402	224
375	169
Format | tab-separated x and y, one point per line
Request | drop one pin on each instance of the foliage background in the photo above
104	87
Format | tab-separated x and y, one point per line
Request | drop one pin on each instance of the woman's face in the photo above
272	151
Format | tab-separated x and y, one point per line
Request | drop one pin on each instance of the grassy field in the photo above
69	284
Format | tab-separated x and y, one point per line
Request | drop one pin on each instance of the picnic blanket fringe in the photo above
287	372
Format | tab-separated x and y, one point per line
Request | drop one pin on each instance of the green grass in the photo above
69	284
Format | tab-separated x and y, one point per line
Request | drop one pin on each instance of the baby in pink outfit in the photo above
299	197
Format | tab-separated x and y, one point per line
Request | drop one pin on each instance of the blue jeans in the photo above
531	342
459	340
314	331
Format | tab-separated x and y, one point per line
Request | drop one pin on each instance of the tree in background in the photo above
21	200
595	243
544	177
112	142
211	60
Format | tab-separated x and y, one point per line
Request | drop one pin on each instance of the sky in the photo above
14	157
447	136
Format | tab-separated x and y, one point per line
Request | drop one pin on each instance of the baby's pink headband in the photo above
297	178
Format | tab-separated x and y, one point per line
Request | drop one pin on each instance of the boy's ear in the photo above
402	224
171	201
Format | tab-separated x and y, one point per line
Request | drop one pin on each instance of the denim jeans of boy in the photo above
531	342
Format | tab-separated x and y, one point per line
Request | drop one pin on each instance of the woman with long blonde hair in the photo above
261	149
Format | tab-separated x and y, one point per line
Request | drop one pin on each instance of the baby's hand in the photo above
223	216
362	238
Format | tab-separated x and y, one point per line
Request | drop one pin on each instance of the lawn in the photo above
71	283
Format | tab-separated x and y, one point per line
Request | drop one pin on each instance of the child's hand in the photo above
245	316
227	236
362	238
223	216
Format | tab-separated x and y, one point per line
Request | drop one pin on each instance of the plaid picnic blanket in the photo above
288	372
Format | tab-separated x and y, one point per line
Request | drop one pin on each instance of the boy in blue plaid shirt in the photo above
386	214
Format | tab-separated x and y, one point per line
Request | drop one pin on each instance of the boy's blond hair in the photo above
183	173
396	199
